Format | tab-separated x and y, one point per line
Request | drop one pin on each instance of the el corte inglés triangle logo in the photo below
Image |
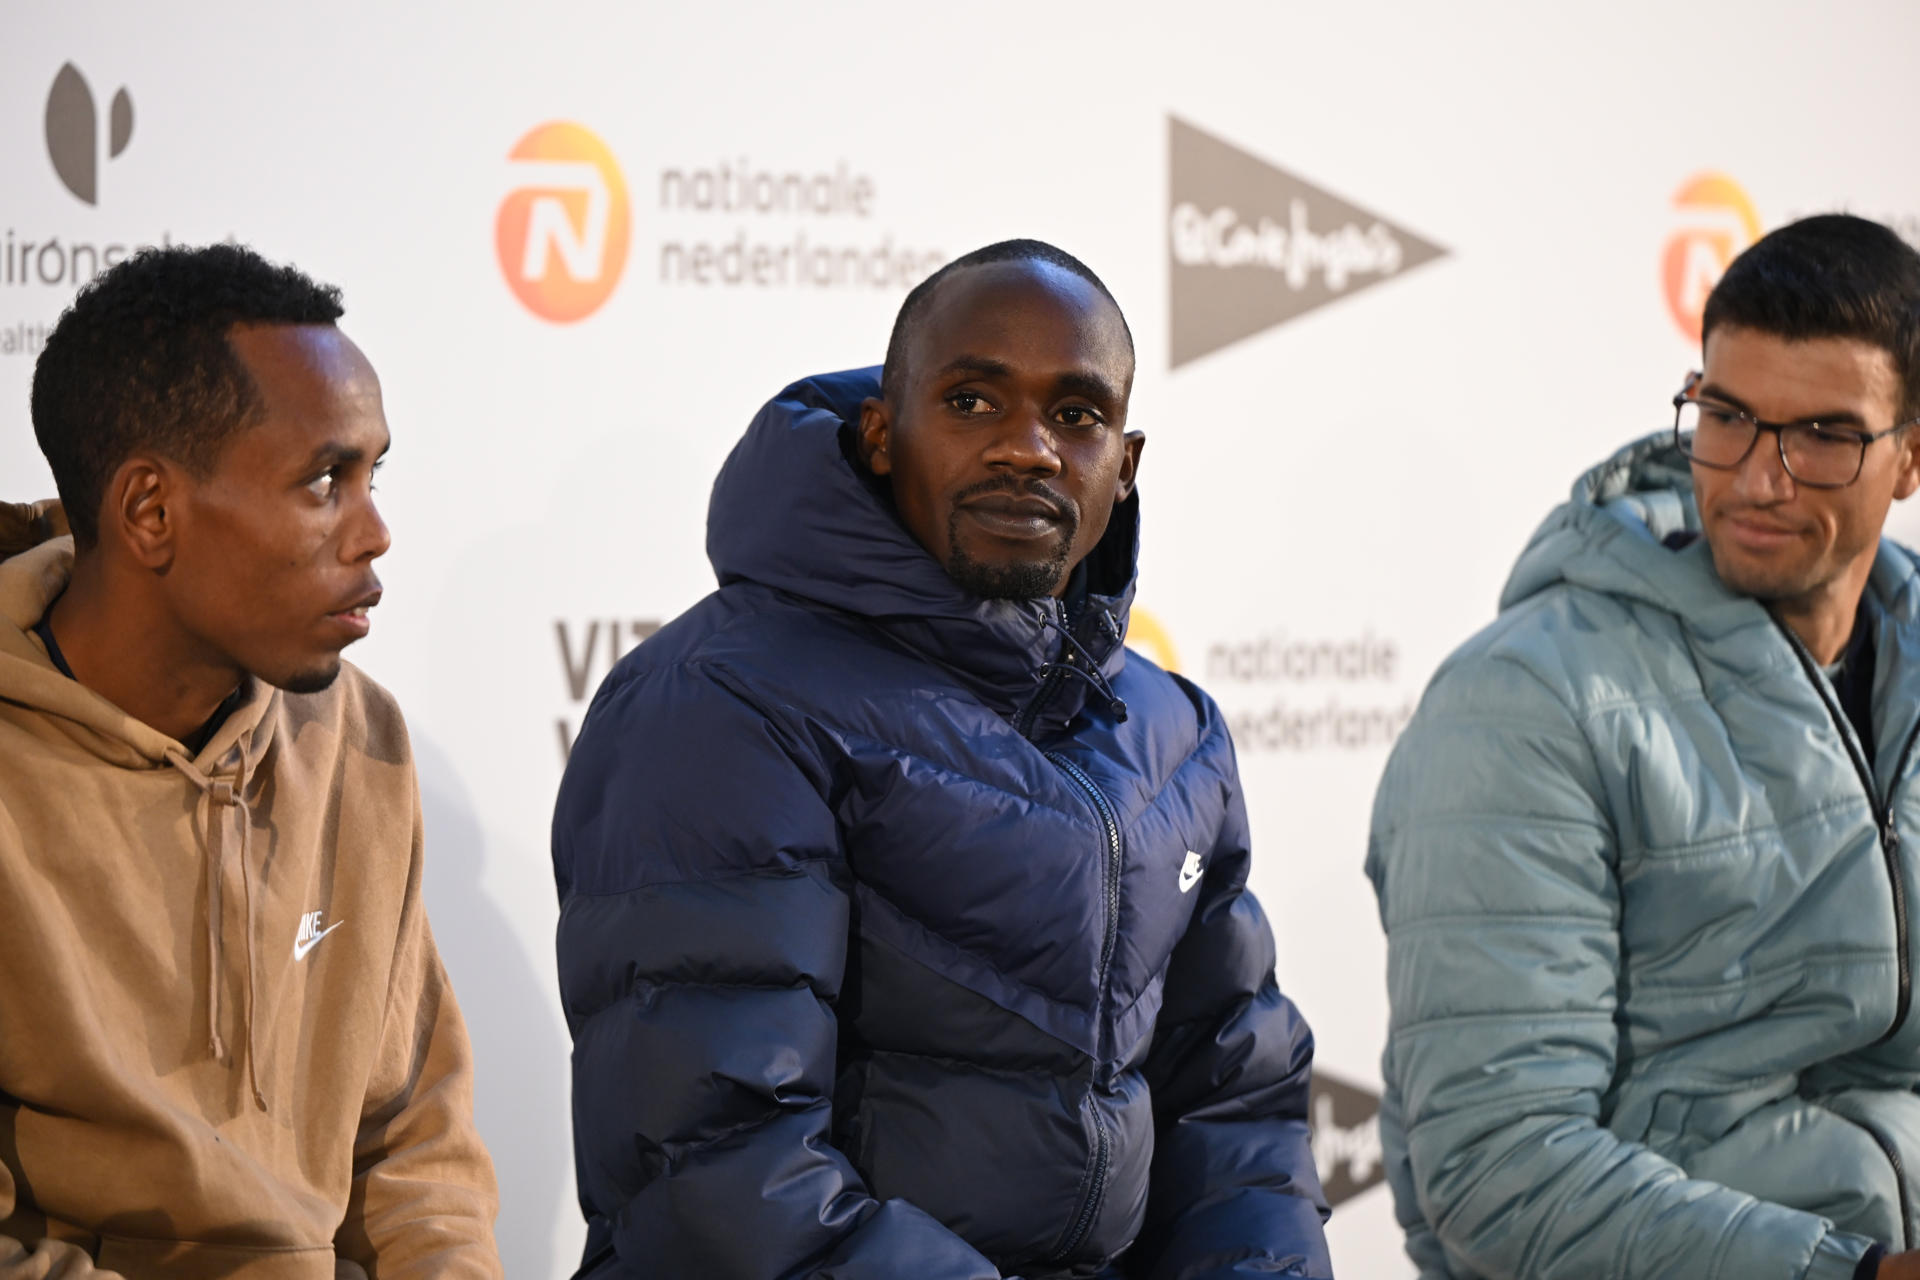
1250	246
1344	1119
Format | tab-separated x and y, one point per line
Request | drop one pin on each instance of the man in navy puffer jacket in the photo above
904	928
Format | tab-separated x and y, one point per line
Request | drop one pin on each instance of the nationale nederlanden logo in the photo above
562	233
1250	246
1147	634
73	132
1716	222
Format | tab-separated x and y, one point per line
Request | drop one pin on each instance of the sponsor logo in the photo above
1190	871
1285	693
1282	692
1149	635
1251	246
47	264
1344	1120
588	651
562	233
1716	221
73	132
806	227
311	934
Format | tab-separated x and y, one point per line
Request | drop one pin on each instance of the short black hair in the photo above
915	306
1829	276
141	361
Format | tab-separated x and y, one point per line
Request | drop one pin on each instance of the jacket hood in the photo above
792	510
1610	536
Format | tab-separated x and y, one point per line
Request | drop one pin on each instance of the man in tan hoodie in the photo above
227	1045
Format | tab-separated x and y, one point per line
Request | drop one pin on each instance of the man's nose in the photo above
1761	476
369	538
1024	443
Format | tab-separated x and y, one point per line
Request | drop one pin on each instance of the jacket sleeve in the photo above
423	1197
1494	860
1233	1189
703	940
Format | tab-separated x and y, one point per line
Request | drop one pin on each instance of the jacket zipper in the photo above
1899	1178
1103	1142
1889	834
1096	1189
1032	713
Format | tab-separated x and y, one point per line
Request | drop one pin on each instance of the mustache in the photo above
1028	488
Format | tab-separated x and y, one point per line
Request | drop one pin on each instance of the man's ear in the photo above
1907	482
876	433
137	511
1134	443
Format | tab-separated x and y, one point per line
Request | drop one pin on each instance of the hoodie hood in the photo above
1610	536
792	510
29	584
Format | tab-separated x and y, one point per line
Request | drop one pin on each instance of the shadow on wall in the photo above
520	1045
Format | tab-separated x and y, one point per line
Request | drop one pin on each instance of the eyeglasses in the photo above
1817	454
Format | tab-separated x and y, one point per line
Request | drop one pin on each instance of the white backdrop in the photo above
1460	299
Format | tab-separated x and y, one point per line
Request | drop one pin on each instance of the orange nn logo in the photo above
562	233
1151	637
1717	222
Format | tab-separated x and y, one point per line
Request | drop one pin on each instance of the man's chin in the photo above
308	680
1006	579
1763	581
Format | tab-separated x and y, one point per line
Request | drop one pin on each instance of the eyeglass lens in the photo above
1719	437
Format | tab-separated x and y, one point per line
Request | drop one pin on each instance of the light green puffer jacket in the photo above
1649	949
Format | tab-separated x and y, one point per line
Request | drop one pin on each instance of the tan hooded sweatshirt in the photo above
227	1045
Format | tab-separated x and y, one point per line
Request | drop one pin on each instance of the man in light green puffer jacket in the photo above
1648	856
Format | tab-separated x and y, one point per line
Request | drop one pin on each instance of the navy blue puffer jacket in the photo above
894	947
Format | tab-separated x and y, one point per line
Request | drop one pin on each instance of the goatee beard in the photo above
1019	580
1013	580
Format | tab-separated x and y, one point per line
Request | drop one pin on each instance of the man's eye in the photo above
1831	435
969	402
1077	415
321	486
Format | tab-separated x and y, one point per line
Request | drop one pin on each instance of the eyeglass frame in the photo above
1864	438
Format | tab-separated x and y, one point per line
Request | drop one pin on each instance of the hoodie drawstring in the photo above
217	797
1086	668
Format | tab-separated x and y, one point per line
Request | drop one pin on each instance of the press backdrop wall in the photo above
1398	271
